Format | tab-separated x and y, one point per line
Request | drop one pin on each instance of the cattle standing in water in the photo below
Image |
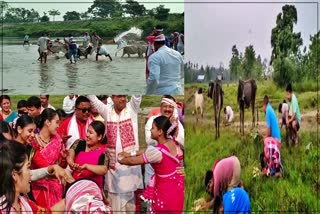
199	102
216	93
134	49
247	91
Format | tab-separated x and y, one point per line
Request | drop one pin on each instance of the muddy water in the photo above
24	74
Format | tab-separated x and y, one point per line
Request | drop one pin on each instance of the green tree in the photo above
71	15
33	16
313	57
84	16
44	18
248	61
161	13
54	13
106	8
285	44
133	8
235	63
18	14
258	68
3	7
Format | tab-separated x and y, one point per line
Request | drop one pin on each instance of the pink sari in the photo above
47	191
167	195
90	157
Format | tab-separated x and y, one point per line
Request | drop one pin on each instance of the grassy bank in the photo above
298	191
106	28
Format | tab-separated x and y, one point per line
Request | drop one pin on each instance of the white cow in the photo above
199	102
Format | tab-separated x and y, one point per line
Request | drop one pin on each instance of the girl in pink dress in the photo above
166	187
49	150
87	157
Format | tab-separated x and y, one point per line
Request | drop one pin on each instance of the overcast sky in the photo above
83	5
211	29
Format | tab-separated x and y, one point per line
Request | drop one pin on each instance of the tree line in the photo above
100	9
290	61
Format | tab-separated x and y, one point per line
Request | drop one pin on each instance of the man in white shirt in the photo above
121	120
69	104
168	108
42	43
229	114
85	40
166	69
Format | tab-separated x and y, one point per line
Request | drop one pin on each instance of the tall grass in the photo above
298	191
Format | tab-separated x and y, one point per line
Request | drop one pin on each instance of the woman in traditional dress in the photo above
15	178
49	150
87	157
85	196
224	185
6	112
166	188
24	134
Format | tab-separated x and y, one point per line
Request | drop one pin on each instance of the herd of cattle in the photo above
247	91
134	47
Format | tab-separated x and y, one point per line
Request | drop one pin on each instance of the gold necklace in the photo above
44	142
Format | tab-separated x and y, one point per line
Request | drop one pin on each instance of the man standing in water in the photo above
26	40
150	49
42	43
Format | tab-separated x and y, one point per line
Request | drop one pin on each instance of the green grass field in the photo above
298	191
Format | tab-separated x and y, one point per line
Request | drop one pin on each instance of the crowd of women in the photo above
40	173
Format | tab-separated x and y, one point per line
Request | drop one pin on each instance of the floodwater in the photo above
22	73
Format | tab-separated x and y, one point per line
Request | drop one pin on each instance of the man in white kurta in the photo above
69	104
121	120
168	108
166	69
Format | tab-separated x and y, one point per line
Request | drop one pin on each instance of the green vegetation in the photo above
290	61
106	28
107	18
296	192
305	92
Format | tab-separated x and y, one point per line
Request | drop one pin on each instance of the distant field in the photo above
298	191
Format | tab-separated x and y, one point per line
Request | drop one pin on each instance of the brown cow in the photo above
247	91
215	92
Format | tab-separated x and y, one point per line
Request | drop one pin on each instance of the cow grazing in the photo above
199	102
215	92
247	91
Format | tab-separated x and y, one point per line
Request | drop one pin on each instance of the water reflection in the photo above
23	73
72	76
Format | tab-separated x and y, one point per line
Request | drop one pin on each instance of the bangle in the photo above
48	170
134	153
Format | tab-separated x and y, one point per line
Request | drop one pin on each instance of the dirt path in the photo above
308	122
